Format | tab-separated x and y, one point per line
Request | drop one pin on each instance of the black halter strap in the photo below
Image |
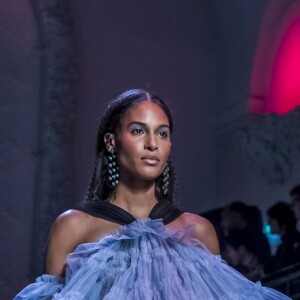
105	210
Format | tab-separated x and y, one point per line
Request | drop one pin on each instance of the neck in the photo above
138	201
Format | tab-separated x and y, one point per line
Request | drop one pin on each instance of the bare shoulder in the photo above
201	223
70	228
204	231
67	232
72	218
71	222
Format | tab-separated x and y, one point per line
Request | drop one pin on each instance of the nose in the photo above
151	142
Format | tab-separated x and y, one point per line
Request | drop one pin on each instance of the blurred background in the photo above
230	73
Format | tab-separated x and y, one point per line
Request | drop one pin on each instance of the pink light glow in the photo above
275	83
285	81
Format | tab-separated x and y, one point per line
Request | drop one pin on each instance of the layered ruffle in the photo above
143	261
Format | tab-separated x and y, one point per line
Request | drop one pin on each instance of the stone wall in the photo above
37	110
19	88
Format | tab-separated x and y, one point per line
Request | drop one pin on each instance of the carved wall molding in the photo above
56	120
271	143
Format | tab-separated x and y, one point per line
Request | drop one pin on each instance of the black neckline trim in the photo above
108	211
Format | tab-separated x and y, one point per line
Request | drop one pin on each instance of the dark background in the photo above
62	61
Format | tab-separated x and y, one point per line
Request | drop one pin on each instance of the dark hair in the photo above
295	190
284	215
99	189
239	207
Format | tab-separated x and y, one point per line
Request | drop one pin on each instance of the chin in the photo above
150	176
152	173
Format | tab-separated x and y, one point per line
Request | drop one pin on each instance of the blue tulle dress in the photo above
144	260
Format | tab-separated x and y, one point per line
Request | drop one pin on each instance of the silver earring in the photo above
165	186
113	169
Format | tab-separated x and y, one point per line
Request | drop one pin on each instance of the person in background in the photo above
239	220
295	197
282	221
234	216
244	254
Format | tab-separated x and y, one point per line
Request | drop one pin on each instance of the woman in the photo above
127	241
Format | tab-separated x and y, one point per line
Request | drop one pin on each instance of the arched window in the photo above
275	86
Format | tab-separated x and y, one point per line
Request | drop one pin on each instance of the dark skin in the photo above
143	145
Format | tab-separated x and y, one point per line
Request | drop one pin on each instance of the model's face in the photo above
143	142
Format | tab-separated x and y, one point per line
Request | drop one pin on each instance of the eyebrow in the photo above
145	125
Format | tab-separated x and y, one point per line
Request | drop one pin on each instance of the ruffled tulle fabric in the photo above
43	288
143	261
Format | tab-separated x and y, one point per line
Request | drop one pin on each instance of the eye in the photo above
137	131
163	134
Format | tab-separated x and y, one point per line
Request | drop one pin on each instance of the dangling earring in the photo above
165	186
113	169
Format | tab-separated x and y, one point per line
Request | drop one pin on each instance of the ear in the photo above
109	141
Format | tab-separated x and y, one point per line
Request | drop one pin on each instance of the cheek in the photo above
127	154
129	148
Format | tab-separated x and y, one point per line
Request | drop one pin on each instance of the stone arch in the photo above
56	120
269	92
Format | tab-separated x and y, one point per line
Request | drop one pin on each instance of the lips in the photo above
151	160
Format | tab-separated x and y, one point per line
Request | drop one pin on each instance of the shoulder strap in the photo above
166	211
105	210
